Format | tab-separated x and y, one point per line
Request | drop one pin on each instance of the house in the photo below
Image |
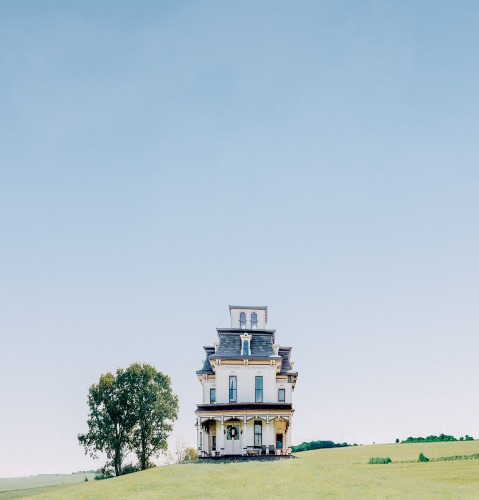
248	382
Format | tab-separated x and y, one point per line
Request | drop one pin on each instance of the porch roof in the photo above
222	407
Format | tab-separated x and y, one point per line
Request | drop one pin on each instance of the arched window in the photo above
242	320
254	320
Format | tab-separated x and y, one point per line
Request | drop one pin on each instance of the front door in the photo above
279	442
233	441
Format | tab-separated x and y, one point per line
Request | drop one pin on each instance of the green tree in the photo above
154	408
190	454
109	421
131	411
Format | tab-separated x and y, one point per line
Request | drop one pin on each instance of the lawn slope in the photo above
336	472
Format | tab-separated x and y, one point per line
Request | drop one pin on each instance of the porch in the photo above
242	458
260	437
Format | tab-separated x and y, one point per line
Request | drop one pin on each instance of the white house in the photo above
248	382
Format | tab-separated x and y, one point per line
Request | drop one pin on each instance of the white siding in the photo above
245	377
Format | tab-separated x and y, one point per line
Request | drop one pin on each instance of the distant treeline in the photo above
316	445
433	439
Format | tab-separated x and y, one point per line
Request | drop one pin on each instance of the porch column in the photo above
267	435
198	430
288	438
206	441
220	440
243	437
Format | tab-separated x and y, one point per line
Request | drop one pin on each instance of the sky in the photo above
162	160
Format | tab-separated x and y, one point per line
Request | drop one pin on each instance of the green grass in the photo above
334	473
21	487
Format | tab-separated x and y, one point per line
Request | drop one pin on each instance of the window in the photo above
232	388
258	433
212	396
245	348
242	320
258	385
254	320
213	442
232	432
281	395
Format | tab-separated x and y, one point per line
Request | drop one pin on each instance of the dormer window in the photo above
254	320
245	344
242	320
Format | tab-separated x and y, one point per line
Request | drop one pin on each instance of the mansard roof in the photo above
261	345
209	350
286	367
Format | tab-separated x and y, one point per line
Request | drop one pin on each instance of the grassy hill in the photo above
21	487
337	472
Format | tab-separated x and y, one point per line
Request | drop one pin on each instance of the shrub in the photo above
317	445
190	455
129	468
422	458
380	460
104	473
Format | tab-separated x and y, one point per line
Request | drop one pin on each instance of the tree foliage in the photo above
433	439
181	453
317	445
154	408
131	411
110	420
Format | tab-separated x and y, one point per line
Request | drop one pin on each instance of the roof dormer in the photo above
245	344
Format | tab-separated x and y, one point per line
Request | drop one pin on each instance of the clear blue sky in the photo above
161	160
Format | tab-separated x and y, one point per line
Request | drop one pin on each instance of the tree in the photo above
131	411
181	453
154	408
190	454
109	421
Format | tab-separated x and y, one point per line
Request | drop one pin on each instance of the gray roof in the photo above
206	363
286	368
230	343
262	341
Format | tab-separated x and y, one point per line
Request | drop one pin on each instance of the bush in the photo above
317	445
104	473
380	460
190	455
422	458
129	468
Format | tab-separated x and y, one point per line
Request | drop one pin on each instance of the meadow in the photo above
334	473
21	487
